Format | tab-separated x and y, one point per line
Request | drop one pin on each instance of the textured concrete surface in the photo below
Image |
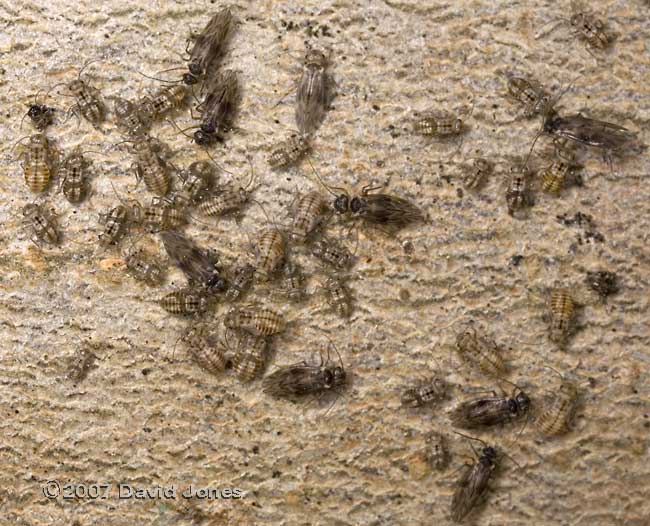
147	417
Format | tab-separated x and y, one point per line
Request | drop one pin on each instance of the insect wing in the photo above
469	490
193	261
390	210
219	104
480	412
207	45
592	132
311	99
294	380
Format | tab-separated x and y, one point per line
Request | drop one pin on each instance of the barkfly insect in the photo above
518	192
308	215
305	379
561	171
150	165
144	267
590	28
473	483
208	46
476	175
338	296
312	97
130	118
228	198
200	266
478	350
382	210
602	282
164	100
288	152
556	408
251	356
270	250
163	214
88	101
241	281
202	349
424	393
586	25
331	253
529	93
185	302
437	454
292	282
486	411
74	176
604	136
42	224
38	161
218	109
562	312
254	319
118	220
196	182
439	123
41	115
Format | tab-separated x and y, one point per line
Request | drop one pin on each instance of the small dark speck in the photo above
408	247
381	163
592	382
495	106
276	474
145	372
277	121
256	449
459	193
146	429
16	411
106	35
375	107
515	260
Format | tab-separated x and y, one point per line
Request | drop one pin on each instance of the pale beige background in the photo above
145	419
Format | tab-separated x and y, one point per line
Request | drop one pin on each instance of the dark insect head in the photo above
357	205
488	454
195	68
217	283
334	376
342	203
203	138
189	79
522	401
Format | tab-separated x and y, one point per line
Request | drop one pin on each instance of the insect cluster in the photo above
243	341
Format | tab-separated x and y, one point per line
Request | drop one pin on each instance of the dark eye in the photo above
195	69
329	379
341	203
189	79
356	205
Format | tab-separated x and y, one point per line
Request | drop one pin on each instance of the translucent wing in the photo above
209	44
311	100
480	412
592	132
390	210
219	105
294	380
469	490
196	263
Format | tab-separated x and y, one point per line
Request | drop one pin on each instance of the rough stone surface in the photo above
148	417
